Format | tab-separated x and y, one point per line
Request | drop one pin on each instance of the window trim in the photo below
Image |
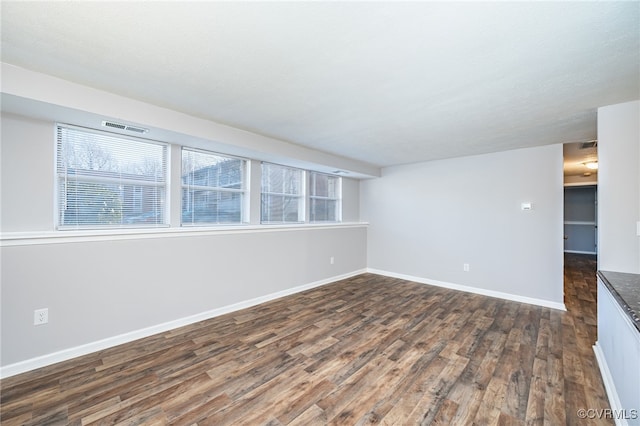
11	239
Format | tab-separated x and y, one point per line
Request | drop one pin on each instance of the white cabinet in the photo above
618	354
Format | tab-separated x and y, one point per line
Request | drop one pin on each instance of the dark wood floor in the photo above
369	349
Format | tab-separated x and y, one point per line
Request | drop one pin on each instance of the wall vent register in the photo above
121	126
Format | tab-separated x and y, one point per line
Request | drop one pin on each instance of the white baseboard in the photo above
70	353
476	290
607	378
580	252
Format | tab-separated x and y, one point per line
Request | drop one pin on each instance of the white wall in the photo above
619	187
27	174
426	220
121	286
350	200
42	96
99	289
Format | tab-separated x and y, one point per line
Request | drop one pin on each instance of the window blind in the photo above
282	198
108	180
212	188
324	197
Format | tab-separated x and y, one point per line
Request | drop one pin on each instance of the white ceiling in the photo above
383	82
576	155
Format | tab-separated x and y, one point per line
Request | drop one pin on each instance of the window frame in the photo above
301	198
244	190
337	199
155	200
59	176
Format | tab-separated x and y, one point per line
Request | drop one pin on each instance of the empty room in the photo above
310	213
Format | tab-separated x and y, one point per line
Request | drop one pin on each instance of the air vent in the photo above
126	127
587	145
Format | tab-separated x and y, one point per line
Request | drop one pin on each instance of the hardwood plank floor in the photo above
369	349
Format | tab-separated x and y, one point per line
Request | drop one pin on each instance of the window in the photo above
108	180
324	197
282	194
213	188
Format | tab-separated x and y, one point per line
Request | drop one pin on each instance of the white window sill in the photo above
73	236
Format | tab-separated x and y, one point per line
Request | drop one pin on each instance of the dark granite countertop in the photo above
625	288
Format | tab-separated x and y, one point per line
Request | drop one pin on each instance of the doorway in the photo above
581	197
580	219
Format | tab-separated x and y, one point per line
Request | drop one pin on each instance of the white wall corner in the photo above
474	290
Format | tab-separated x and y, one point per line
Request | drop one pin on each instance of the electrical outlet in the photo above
40	316
465	267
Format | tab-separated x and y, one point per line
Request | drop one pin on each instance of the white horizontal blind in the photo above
324	197
282	199
108	180
213	188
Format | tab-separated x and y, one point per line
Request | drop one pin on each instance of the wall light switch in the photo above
638	229
526	206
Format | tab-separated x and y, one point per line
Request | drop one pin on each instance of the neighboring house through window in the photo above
324	197
213	188
282	199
